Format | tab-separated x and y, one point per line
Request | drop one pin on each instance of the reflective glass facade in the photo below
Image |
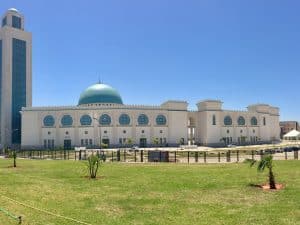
105	119
49	121
66	120
241	121
227	121
143	119
4	21
161	120
253	121
18	86
124	119
16	22
85	120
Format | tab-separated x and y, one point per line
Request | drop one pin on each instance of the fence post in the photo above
219	156
112	156
196	156
142	156
118	155
175	157
237	156
252	154
285	154
204	157
159	156
134	155
228	159
124	153
261	154
296	154
188	157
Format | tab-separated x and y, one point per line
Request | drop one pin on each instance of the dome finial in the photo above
99	80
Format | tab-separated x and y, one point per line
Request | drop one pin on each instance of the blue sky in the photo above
241	52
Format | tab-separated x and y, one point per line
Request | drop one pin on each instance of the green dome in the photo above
100	93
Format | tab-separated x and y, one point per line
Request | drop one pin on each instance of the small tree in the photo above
129	141
93	165
13	154
155	141
266	162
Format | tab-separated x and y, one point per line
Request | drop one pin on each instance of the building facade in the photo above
287	126
101	118
15	75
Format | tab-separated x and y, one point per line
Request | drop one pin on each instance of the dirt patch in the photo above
97	178
267	186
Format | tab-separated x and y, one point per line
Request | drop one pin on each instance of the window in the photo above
227	121
214	120
67	132
105	132
48	121
253	121
85	120
161	120
18	94
143	131
86	132
124	119
143	119
124	131
227	131
241	121
4	21
49	132
264	121
161	131
66	120
16	22
105	119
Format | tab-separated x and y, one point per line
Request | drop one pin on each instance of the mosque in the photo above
101	117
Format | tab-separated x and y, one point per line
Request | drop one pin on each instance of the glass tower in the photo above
15	76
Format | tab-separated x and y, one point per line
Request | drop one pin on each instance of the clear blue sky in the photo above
241	52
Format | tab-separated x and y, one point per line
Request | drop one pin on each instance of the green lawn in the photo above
149	193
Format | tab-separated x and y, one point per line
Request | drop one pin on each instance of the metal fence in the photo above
143	156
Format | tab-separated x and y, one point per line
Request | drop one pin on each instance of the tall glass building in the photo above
15	76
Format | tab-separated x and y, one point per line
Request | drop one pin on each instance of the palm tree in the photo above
266	162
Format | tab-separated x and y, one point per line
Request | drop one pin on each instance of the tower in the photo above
15	75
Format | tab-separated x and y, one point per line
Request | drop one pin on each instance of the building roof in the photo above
292	133
100	93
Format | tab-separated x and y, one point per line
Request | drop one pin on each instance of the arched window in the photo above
264	121
105	119
124	119
49	121
161	120
227	121
253	121
66	120
143	119
85	120
214	120
241	121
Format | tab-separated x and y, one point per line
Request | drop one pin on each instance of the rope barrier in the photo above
44	211
18	218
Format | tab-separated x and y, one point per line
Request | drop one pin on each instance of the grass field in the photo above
148	193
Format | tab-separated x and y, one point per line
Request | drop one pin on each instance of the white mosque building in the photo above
101	117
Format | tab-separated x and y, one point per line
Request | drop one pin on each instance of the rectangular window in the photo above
86	142
120	140
45	143
16	22
4	21
91	142
82	142
18	86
